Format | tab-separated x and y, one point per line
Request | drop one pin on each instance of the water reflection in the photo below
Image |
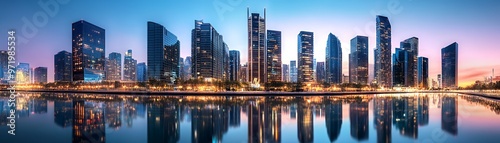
100	118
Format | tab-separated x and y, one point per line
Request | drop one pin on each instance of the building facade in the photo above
256	47
89	48
449	66
63	70
358	60
4	65
398	68
114	67
40	75
333	61
410	45
142	72
320	72
23	73
234	65
382	73
423	72
207	53
305	57
293	71
273	56
163	54
129	67
286	73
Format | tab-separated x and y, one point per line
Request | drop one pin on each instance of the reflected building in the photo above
256	124
39	106
273	123
333	119
208	123
220	122
235	116
63	113
382	112
423	110
305	123
88	122
4	111
88	46
163	123
449	115
358	115
113	114
405	116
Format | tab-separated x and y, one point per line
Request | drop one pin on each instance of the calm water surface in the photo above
65	118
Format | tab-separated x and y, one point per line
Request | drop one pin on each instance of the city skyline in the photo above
470	69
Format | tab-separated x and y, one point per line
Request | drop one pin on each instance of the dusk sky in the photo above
474	25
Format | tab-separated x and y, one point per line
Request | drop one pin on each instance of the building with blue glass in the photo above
358	60
114	67
305	57
142	72
449	66
234	65
207	52
382	73
333	60
398	67
88	46
63	70
163	54
423	72
273	56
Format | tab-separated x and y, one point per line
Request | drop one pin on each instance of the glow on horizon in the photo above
437	25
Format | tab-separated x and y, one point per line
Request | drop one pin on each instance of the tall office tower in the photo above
142	72
320	72
286	73
181	69
244	73
293	71
382	73
256	47
333	61
63	70
314	69
4	65
88	48
273	55
305	57
440	81
163	53
40	75
187	68
449	65
207	52
234	65
225	63
129	67
398	68
358	60
423	72
114	67
410	45
23	74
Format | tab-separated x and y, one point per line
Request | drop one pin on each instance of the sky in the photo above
474	25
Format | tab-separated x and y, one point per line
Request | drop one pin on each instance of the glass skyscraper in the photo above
273	55
234	65
333	61
358	60
286	73
449	66
410	45
63	67
256	47
163	53
88	46
129	67
423	72
398	67
142	72
40	75
320	72
114	67
23	73
4	70
305	56
207	52
382	73
293	71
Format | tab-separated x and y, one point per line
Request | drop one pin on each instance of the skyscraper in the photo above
187	68
4	66
40	75
129	67
398	69
244	73
382	72
63	70
293	71
142	72
88	48
273	55
410	45
23	74
163	53
207	52
181	69
234	65
286	73
358	60
423	72
320	72
256	47
305	56
225	62
333	61
449	65
114	67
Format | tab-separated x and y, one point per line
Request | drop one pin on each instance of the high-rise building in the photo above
187	68
358	60
410	45
244	73
207	52
40	75
423	72
129	67
225	62
142	72
256	47
320	72
293	71
163	53
23	74
305	57
181	69
286	73
383	53
114	67
234	65
440	81
449	65
273	55
398	69
88	48
63	70
333	61
4	65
